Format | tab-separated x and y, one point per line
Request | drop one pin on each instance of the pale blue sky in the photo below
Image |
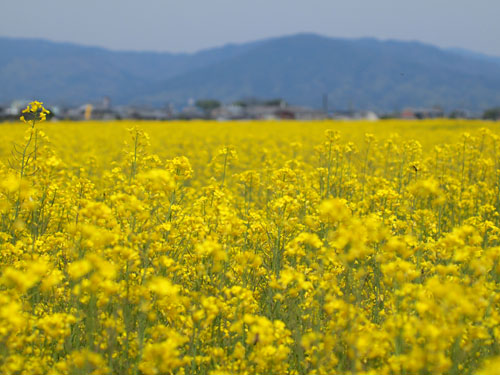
189	25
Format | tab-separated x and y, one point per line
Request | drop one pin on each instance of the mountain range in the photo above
355	73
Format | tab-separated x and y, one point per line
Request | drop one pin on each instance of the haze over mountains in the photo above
361	73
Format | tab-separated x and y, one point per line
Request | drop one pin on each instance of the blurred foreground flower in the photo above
35	111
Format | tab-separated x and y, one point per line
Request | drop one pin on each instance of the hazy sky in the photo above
189	25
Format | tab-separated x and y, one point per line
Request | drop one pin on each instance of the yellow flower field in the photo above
250	248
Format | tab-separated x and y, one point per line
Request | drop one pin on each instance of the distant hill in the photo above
475	55
361	73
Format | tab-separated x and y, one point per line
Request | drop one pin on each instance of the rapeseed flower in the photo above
249	248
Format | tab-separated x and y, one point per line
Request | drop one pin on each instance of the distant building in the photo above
106	102
192	112
228	112
461	113
103	110
301	113
261	112
16	107
145	113
422	113
92	111
76	114
282	111
355	115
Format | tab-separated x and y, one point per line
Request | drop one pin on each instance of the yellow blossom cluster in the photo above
35	111
150	248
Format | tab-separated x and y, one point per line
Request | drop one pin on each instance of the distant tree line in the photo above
492	114
208	104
